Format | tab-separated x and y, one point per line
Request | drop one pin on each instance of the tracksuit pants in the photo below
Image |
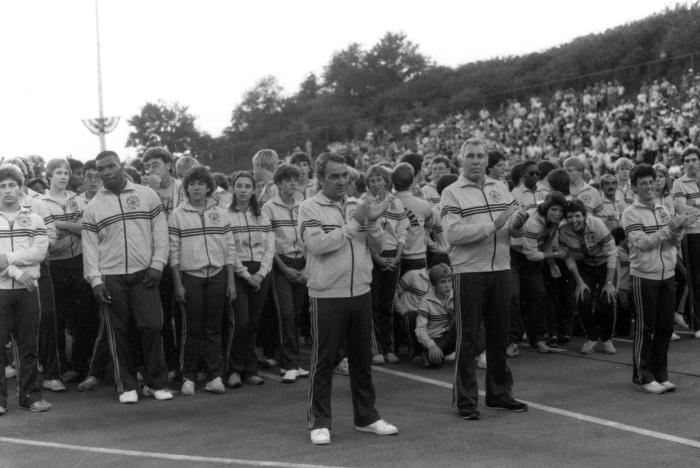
692	259
527	299
48	337
596	314
290	299
334	319
172	332
482	298
19	320
206	300
383	290
654	302
131	298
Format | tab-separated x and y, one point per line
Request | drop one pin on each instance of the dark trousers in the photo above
243	327
692	261
559	301
482	298
527	303
75	311
290	299
446	342
408	264
333	319
596	314
19	321
383	290
131	298
172	332
48	338
654	304
206	299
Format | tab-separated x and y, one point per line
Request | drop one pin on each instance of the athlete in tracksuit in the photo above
479	215
125	248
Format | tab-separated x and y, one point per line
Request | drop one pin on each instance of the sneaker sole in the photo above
370	431
648	392
501	408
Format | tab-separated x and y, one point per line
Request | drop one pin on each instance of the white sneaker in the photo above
129	397
670	387
451	357
320	436
54	385
392	358
187	387
234	380
680	321
697	334
653	387
303	373
215	386
379	427
675	337
378	360
609	347
10	372
481	361
290	376
343	367
588	347
160	395
512	350
90	383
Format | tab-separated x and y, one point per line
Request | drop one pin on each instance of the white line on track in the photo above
160	456
560	412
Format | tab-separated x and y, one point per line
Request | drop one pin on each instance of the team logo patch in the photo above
663	216
133	202
214	217
495	196
585	198
590	237
24	220
72	205
351	213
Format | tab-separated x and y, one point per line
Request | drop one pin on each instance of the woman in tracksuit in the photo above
255	244
202	258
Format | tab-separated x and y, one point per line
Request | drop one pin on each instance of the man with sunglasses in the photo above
526	193
612	207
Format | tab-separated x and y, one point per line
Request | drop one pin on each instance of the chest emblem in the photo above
133	202
24	220
495	196
214	217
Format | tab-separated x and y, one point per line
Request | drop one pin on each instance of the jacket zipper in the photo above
206	246
495	234
250	237
296	235
126	247
12	244
661	248
352	255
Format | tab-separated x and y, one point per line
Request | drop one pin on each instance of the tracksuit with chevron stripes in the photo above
124	234
686	189
339	269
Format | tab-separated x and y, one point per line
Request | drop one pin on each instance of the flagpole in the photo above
99	78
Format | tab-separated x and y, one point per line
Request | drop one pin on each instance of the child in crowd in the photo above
435	321
413	286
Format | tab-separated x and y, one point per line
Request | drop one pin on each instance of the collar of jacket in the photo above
129	187
188	206
464	182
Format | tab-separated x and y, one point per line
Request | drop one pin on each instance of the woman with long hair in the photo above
255	244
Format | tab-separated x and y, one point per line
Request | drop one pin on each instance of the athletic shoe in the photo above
38	406
159	394
139	377
670	387
215	385
653	387
469	414
588	347
675	337
54	385
303	372
697	334
512	350
128	397
3	410
379	427
234	380
541	347
510	405
451	357
481	361
608	347
90	383
343	367
187	387
254	379
290	376
680	321
10	372
70	376
267	362
392	358
320	436
378	360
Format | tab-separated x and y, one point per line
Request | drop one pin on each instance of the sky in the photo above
207	53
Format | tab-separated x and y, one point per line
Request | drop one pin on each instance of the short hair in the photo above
444	181
640	171
184	164
285	172
11	171
54	164
377	170
690	150
618	234
349	160
353	174
516	172
106	154
552	199
302	157
21	165
265	159
438	272
221	180
559	180
471	142
575	206
323	160
441	160
75	165
402	176
158	152
545	167
90	165
575	162
361	184
606	177
198	174
415	160
495	157
132	172
37	181
623	162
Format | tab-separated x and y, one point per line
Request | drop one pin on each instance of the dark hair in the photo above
690	150
132	172
575	206
285	172
441	159
323	160
495	157
559	181
444	181
640	171
158	152
106	154
302	157
381	171
22	166
349	160
75	165
91	165
545	167
415	160
11	171
437	272
552	199
361	184
402	176
618	234
516	173
220	180
37	181
198	174
253	204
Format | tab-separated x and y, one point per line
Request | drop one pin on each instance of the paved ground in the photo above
585	413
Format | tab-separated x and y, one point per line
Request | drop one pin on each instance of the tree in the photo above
347	75
164	124
259	109
395	60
